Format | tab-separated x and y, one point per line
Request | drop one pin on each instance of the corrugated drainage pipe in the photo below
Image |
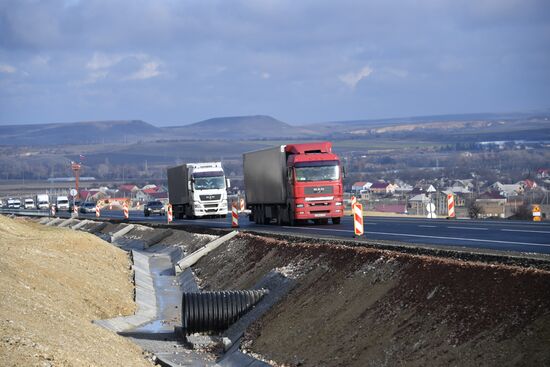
216	311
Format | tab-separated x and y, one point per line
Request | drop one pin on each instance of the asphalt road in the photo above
517	236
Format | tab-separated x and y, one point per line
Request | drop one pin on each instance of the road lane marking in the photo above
472	228
426	236
523	230
426	226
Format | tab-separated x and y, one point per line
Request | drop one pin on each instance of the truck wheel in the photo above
336	220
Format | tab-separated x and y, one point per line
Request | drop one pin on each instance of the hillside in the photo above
90	132
240	127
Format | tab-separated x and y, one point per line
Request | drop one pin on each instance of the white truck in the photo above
198	190
14	203
62	203
29	203
42	201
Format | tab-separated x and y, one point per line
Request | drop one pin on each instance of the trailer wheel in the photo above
336	220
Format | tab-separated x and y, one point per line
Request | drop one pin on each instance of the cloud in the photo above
7	69
119	67
148	70
351	79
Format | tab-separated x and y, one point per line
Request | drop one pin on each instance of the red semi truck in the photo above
293	183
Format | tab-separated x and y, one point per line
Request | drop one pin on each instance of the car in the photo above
87	207
154	207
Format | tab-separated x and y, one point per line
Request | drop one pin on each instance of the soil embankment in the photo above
53	283
367	307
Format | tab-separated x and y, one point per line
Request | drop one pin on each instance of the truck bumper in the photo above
318	210
205	211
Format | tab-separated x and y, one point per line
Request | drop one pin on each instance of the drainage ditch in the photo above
331	304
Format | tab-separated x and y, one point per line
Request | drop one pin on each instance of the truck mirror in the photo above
228	183
343	172
189	185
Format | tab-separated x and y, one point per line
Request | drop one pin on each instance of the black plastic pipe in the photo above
216	311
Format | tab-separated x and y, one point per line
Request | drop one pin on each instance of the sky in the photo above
172	62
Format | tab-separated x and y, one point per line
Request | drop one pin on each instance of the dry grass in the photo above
53	283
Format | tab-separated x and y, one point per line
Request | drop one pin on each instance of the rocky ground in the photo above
53	283
368	307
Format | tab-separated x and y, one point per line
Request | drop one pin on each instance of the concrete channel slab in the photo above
44	220
65	223
80	224
145	298
191	259
121	232
54	222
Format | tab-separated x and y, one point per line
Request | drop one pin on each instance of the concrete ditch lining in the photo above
191	259
146	299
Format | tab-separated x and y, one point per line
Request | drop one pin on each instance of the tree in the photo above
474	210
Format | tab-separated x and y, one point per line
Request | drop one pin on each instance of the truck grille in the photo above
210	197
318	190
211	205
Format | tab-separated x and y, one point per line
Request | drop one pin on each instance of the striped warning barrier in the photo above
451	205
125	210
241	204
97	211
234	216
169	217
358	219
75	210
52	210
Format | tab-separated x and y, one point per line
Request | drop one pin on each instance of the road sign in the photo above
431	211
536	213
73	192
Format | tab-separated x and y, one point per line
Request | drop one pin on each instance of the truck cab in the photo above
42	201
29	203
62	203
208	189
315	182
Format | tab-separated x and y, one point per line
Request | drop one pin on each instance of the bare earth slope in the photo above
368	307
53	283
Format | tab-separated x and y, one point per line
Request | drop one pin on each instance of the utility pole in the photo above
76	169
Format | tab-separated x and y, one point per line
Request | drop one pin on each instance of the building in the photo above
492	204
361	186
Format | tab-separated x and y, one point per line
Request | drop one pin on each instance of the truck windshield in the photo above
317	171
210	183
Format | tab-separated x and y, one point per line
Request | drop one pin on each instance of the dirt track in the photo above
53	283
367	307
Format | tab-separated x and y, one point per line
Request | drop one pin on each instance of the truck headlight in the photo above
338	203
299	205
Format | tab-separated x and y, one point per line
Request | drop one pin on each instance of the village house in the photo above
492	204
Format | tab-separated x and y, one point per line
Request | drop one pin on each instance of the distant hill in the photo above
91	132
240	127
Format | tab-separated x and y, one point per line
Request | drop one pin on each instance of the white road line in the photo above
472	228
523	230
426	226
425	236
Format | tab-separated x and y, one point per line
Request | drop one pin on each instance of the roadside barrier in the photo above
234	216
216	311
52	210
97	211
125	210
358	219
451	205
75	210
353	201
169	216
241	205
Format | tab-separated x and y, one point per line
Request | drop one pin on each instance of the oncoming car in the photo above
153	207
